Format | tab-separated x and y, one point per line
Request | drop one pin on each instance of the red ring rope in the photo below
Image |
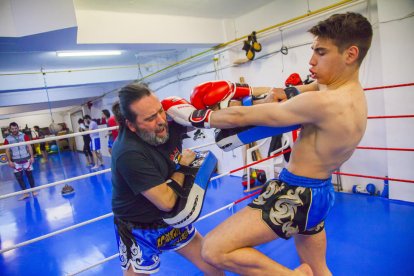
390	117
376	148
374	177
246	197
389	86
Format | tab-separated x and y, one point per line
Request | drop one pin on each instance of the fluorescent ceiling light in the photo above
88	53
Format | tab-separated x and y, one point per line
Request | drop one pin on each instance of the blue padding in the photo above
206	170
260	132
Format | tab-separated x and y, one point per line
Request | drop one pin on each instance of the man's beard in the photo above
151	137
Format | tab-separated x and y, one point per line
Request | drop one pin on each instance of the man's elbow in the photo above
167	205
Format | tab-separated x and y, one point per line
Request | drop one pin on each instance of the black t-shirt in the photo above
138	166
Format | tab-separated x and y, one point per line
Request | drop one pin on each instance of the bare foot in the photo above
24	196
304	269
35	193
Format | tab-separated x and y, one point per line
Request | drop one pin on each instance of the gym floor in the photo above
366	235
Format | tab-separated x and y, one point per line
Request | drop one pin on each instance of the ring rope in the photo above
55	183
72	179
196	147
202	146
102	217
47	139
52	138
116	127
375	177
94	265
228	206
54	233
390	117
376	148
389	86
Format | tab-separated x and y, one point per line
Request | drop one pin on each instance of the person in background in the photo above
86	142
95	142
38	134
110	122
20	157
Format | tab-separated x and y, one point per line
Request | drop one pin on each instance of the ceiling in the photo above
36	52
197	8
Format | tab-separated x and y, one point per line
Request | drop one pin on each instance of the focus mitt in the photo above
191	195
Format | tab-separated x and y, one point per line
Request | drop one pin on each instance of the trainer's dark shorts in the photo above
295	204
140	245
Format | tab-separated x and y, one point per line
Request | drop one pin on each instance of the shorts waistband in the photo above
296	180
21	160
141	225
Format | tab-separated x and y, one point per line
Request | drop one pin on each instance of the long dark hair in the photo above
127	95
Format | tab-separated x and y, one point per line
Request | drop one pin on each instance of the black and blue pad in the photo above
191	195
229	139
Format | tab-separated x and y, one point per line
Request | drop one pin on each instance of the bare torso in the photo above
325	146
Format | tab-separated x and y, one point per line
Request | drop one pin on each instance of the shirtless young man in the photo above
333	116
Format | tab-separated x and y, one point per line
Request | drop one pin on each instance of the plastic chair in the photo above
269	166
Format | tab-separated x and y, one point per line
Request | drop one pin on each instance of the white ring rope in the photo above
73	178
228	206
77	177
111	214
202	146
52	138
102	217
94	265
55	183
54	233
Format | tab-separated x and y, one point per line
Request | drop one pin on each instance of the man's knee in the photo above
211	253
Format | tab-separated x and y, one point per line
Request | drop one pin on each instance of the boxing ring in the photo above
233	201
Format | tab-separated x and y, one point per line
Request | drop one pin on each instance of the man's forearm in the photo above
228	118
308	87
8	154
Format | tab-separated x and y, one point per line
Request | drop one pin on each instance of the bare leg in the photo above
99	155
130	272
24	196
192	252
312	250
229	246
95	159
89	159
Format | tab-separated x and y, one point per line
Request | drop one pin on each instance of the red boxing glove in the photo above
293	80
220	92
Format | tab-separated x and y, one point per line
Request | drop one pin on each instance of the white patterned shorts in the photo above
290	210
141	248
23	166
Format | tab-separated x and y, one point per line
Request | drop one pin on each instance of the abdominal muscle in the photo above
318	153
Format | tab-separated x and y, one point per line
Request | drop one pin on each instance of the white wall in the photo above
388	62
42	120
398	59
